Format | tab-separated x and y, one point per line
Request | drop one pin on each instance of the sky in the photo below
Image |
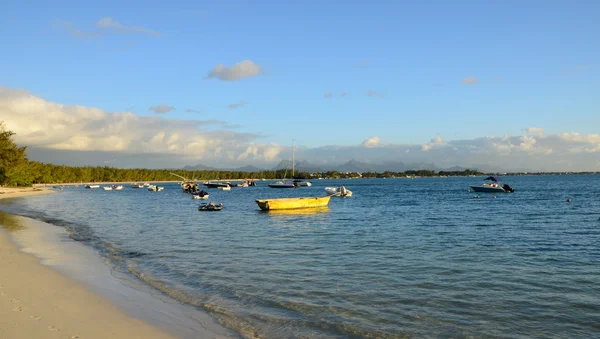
234	83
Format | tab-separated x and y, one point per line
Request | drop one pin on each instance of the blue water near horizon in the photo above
401	258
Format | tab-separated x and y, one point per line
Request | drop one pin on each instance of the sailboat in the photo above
284	183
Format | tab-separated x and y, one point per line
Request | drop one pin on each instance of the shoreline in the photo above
38	302
10	192
54	287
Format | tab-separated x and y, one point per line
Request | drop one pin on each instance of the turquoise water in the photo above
401	258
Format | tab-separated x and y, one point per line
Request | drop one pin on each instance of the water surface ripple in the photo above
402	258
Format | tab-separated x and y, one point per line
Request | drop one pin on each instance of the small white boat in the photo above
202	195
154	188
136	185
224	188
118	187
146	184
338	191
92	186
107	188
300	183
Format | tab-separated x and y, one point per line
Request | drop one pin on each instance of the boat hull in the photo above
486	189
282	186
292	203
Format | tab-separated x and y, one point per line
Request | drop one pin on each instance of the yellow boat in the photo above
292	203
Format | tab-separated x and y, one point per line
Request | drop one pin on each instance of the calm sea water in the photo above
402	258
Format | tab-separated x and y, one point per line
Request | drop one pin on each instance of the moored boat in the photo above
338	191
282	184
92	186
224	188
492	185
154	188
202	195
118	187
107	188
210	207
292	203
216	184
301	183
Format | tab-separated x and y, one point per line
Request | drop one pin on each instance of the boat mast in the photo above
293	159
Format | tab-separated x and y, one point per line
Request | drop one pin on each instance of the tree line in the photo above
17	170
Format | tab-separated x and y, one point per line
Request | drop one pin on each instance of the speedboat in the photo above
202	195
213	184
224	188
211	207
136	185
292	203
92	186
492	185
107	188
338	191
118	187
300	183
189	186
282	184
154	188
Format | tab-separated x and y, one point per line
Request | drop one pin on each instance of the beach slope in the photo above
38	302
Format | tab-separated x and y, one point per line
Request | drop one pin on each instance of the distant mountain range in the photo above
350	166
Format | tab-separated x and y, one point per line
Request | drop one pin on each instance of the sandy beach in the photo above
39	301
6	192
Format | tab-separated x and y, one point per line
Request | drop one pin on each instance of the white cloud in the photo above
433	143
191	110
109	24
74	134
371	142
44	124
535	130
161	109
470	81
238	105
238	71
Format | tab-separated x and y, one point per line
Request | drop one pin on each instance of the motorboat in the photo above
282	184
154	188
92	186
107	188
216	184
136	185
189	186
301	183
292	203
338	191
118	187
202	195
492	185
210	207
224	188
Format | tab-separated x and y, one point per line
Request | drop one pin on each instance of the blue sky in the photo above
530	63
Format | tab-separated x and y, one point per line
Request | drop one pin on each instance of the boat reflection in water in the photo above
299	211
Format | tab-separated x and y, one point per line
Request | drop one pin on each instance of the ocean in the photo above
401	258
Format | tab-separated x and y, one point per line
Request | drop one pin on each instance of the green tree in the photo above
14	166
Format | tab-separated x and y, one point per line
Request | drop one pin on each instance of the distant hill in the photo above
300	166
199	168
248	168
350	166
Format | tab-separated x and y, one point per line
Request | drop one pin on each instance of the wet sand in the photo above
53	287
